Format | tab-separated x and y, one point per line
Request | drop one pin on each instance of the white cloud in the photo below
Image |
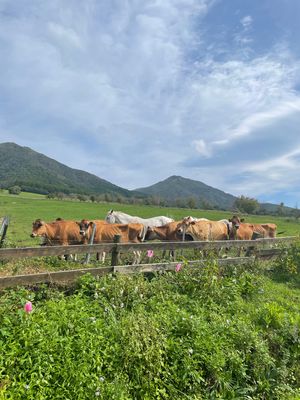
246	21
201	147
132	91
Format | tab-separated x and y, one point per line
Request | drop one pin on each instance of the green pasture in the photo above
26	207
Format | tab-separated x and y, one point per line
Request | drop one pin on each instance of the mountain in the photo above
34	172
176	188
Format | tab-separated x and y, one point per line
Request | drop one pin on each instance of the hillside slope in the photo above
177	187
35	172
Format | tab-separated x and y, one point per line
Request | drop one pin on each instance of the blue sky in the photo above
135	91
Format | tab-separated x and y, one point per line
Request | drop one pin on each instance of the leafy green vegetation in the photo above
195	334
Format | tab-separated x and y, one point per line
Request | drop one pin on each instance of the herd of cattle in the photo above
135	229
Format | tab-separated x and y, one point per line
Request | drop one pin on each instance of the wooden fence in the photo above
4	222
259	248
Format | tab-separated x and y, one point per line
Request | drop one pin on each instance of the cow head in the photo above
235	224
182	227
84	225
38	228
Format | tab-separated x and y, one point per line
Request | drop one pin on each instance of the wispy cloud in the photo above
136	91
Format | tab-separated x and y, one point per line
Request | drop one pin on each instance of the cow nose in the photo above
82	232
33	235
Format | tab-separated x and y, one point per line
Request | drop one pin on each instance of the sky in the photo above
135	91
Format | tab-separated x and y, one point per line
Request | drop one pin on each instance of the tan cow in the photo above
57	233
105	233
83	227
166	232
247	231
203	230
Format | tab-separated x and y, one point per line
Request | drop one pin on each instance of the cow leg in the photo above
137	257
101	256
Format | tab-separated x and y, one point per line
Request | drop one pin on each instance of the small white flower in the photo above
102	289
191	351
122	305
26	387
101	378
93	319
96	295
97	393
191	316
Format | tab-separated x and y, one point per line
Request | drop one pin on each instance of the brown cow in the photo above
83	226
165	232
203	230
57	233
134	233
247	231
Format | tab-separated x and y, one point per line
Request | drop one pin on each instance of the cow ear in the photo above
78	223
42	223
193	222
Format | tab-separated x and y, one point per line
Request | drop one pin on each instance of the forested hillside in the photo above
34	172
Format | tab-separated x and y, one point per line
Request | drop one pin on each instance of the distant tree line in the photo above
242	204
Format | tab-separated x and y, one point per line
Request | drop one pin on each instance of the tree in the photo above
246	204
280	209
14	190
191	202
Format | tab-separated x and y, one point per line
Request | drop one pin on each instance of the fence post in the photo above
115	254
3	230
88	256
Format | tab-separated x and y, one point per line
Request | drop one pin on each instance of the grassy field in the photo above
212	333
26	207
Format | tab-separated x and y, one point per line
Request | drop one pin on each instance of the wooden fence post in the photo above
3	230
115	254
88	256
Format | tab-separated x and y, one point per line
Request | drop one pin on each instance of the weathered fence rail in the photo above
65	277
261	248
25	252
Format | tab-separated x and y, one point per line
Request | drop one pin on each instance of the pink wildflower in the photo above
178	267
150	253
28	307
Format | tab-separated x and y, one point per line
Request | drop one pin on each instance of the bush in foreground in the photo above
195	334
